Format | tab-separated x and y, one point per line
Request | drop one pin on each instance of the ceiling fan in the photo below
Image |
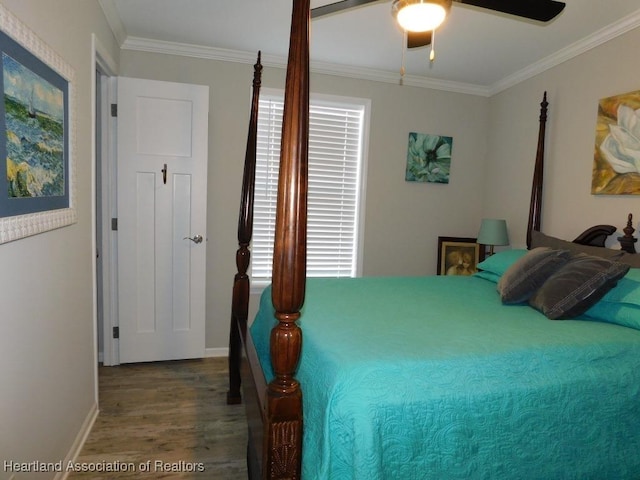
420	18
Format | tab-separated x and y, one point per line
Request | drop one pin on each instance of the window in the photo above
336	165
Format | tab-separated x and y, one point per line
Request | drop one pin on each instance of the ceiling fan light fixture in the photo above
420	15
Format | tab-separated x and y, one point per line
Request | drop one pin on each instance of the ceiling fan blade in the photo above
541	10
418	39
337	7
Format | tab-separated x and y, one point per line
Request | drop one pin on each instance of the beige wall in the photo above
574	89
48	372
403	220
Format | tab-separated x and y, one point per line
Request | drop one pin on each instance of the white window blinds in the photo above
336	132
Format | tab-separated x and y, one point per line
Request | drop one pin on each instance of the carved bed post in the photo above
283	429
240	302
535	207
627	242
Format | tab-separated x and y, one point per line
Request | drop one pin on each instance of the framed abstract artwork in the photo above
616	161
37	138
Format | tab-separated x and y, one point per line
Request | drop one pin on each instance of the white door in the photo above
162	200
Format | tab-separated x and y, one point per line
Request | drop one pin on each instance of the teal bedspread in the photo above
432	378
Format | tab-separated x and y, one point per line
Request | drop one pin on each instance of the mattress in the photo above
433	378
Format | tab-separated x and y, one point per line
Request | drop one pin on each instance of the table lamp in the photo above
493	232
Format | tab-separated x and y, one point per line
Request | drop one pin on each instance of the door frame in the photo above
103	168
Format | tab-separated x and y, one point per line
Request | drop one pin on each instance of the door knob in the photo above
194	239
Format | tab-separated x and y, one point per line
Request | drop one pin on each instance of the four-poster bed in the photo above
419	388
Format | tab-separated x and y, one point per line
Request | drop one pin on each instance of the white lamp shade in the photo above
493	232
420	15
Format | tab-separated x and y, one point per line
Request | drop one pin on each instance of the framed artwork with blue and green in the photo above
36	170
428	158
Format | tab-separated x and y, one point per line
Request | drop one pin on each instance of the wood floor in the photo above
170	418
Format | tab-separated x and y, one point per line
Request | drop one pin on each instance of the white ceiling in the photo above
476	49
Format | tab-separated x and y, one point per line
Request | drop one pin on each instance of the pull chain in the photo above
432	53
404	48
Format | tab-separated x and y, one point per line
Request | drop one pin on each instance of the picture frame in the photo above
428	158
459	255
37	137
615	162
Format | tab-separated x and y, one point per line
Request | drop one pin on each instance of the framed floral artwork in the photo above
37	134
616	161
428	158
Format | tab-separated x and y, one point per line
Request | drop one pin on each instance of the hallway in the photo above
166	420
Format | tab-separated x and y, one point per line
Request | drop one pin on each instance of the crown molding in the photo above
114	20
197	51
395	78
225	55
603	35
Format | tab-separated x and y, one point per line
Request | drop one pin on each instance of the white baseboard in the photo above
82	436
216	352
208	353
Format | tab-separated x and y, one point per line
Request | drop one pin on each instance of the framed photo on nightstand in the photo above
458	256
